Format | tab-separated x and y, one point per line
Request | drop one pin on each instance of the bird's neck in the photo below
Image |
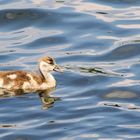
49	79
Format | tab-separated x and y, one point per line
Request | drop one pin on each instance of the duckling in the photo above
31	82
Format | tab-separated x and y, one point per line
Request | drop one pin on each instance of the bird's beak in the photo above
58	69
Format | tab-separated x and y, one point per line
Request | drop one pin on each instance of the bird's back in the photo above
13	80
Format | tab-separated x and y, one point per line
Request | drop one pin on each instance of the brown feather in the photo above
21	77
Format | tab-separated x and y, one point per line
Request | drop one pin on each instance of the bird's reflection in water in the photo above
46	100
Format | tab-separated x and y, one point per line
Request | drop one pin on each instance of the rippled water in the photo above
98	44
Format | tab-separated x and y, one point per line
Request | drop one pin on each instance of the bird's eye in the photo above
51	62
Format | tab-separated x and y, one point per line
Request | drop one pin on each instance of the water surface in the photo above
98	44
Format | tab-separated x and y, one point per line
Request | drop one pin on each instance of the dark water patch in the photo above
8	126
103	13
45	42
124	52
16	19
123	106
5	57
12	18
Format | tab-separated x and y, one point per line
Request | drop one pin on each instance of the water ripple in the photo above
98	44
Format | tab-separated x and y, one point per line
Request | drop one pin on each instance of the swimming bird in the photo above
24	81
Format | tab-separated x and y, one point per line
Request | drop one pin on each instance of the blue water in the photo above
97	42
